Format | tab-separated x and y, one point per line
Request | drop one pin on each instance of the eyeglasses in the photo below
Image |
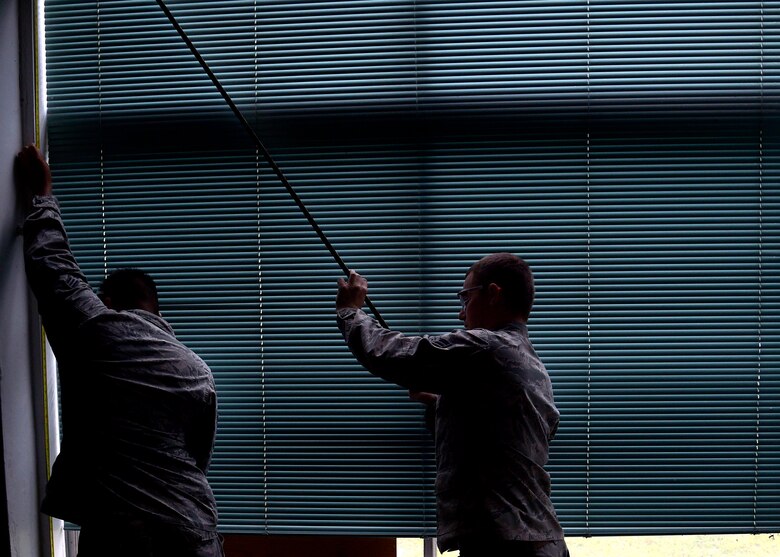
464	297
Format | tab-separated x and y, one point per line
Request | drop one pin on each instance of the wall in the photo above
18	342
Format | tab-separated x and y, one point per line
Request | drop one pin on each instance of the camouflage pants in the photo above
136	539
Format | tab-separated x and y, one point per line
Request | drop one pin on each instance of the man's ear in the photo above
105	299
494	294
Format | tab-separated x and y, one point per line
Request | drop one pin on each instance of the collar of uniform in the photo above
518	326
153	318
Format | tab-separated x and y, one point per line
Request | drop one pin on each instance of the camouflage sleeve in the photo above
65	299
422	363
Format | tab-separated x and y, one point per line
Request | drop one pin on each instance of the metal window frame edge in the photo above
32	86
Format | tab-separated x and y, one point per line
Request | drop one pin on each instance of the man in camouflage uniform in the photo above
495	413
139	408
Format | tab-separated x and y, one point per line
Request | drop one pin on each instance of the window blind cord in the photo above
271	162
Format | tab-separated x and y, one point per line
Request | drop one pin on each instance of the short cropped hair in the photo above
130	289
512	274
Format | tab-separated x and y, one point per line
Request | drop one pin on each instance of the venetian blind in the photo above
628	150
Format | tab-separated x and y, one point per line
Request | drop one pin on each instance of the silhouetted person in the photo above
138	407
495	413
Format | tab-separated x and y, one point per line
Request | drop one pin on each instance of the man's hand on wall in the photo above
31	173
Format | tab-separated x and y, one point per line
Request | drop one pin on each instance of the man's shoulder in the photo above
122	335
489	337
129	323
479	339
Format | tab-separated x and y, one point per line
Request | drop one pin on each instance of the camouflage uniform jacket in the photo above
495	417
138	407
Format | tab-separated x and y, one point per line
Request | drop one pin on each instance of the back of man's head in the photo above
125	289
513	275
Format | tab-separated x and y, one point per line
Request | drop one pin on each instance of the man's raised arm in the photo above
65	299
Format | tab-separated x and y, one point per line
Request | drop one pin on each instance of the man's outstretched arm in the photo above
429	364
65	299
